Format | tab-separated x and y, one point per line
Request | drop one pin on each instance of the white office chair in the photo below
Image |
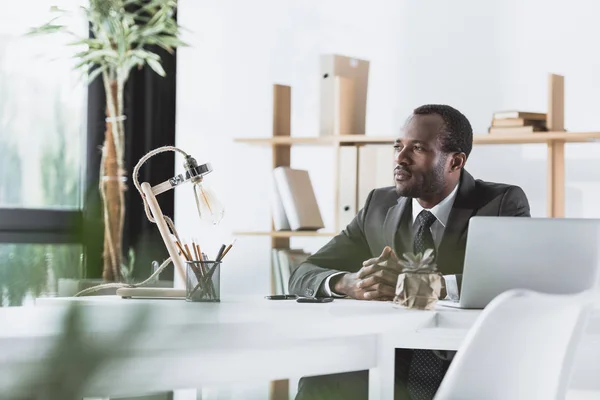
521	347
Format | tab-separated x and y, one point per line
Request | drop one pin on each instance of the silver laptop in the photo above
550	255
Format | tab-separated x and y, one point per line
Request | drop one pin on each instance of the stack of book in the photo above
517	122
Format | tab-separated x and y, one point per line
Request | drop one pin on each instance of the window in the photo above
43	103
42	111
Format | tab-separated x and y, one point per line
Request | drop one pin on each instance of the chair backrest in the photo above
521	347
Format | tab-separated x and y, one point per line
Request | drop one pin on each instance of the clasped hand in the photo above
376	280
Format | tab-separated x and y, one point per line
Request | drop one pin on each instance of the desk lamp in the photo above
209	210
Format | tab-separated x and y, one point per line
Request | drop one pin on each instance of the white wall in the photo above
479	56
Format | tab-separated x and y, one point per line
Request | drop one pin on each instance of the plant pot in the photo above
418	291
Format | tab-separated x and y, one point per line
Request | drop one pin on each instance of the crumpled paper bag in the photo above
418	291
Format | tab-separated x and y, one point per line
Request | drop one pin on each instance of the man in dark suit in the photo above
429	207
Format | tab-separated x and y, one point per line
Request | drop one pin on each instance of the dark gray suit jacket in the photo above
385	220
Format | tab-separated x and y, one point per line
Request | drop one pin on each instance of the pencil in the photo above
226	250
220	253
197	262
187	248
182	250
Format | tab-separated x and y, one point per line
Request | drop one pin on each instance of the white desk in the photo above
195	344
190	345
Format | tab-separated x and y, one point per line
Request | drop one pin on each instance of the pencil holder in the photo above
203	280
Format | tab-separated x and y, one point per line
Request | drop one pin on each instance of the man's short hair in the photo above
457	134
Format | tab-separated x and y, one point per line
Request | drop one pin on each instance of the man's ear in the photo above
458	161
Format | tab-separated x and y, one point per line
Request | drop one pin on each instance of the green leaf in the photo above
170	41
45	29
90	42
122	45
54	9
144	54
99	57
107	53
94	74
159	17
85	64
411	257
168	46
131	63
156	67
152	30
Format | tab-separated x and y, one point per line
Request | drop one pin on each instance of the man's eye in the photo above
418	148
396	147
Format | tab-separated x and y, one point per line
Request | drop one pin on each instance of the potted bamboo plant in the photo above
124	32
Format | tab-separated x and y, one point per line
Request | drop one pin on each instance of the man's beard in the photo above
425	185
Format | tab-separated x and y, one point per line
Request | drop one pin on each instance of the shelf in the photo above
538	137
286	234
287	140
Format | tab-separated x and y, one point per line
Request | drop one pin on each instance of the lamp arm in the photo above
152	208
161	223
136	171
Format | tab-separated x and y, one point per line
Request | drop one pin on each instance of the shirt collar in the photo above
441	211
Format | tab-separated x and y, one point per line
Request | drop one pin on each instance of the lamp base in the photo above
151	293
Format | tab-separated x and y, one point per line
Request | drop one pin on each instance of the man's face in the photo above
420	165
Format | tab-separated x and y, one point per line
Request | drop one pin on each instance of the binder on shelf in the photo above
276	271
555	120
348	95
298	198
343	108
346	207
361	169
280	220
375	169
288	261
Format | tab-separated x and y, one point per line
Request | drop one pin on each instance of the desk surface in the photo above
247	336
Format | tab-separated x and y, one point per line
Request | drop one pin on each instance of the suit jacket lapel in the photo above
392	234
458	220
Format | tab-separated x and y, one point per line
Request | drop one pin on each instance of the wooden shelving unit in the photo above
555	140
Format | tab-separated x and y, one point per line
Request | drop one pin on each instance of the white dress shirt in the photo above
441	211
